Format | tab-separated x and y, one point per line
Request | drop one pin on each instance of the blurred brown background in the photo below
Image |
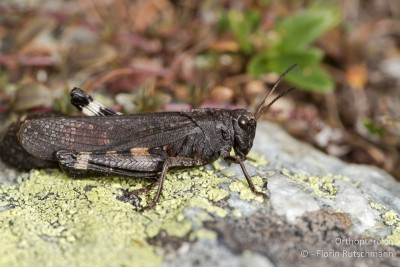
139	56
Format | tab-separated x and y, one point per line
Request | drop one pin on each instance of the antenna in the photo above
261	108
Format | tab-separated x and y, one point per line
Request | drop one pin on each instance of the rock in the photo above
286	196
320	210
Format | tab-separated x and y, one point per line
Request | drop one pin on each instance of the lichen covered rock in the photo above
318	210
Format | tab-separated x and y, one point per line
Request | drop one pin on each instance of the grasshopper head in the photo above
244	122
244	126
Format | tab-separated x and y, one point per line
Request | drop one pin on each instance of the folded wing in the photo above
44	137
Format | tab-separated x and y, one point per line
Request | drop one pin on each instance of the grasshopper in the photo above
142	145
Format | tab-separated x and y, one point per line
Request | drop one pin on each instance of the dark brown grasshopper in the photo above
142	145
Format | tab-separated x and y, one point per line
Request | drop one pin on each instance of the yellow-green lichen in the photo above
200	202
257	159
230	174
218	165
390	217
203	234
377	206
237	213
217	194
243	188
53	220
322	186
394	238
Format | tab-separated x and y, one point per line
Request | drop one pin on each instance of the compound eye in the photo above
243	121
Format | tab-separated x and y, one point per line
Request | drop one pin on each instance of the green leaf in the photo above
242	26
261	63
372	128
258	65
223	24
313	79
307	76
304	27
